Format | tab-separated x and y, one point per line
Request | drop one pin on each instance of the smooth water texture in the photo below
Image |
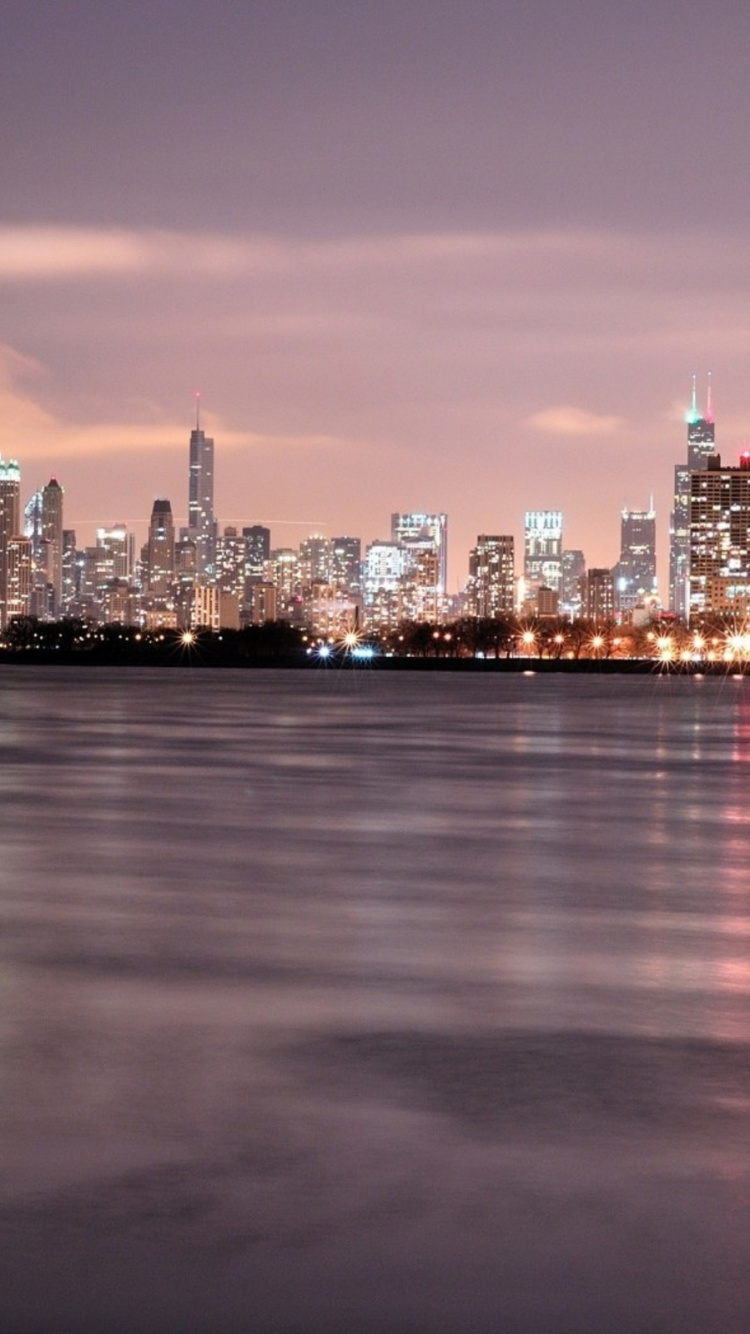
342	1001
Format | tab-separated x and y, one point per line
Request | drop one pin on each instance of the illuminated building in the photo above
719	570
260	603
70	568
700	446
257	550
20	566
10	524
52	531
117	549
424	532
230	563
599	595
635	572
206	607
201	524
491	587
346	564
314	561
160	550
384	568
283	566
424	540
542	549
572	572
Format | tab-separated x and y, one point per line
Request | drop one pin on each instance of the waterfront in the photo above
340	1000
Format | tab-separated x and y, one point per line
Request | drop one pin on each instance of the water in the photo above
350	1002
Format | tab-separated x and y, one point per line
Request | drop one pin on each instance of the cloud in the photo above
27	429
570	421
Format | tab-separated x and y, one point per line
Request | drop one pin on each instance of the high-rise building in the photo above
572	572
700	446
52	534
424	532
69	568
20	574
635	572
257	550
201	524
542	549
314	560
491	587
346	564
230	563
160	549
599	596
719	570
383	570
10	524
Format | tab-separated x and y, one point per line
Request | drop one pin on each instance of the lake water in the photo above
351	1002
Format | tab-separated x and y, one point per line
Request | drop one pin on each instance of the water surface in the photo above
345	1001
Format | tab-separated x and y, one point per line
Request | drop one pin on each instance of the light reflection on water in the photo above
336	1001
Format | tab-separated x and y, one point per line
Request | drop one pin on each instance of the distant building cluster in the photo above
199	576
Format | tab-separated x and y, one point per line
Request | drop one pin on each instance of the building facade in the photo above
719	532
491	588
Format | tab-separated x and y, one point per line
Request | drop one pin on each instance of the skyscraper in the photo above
491	588
424	541
635	572
201	524
422	532
719	568
160	547
52	534
700	446
346	563
10	524
542	549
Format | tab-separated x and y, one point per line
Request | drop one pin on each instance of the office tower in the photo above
52	535
20	574
635	572
700	446
314	561
719	534
419	533
10	524
599	596
491	587
260	605
69	568
542	549
184	559
257	550
230	563
201	524
384	568
206	607
160	549
572	571
283	567
346	564
117	551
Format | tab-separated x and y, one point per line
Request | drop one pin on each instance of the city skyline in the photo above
453	261
544	534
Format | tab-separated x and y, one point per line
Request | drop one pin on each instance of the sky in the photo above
424	255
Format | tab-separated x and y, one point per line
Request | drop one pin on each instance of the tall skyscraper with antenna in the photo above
201	522
700	446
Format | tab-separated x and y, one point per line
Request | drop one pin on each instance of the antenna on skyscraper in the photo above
709	409
198	409
694	401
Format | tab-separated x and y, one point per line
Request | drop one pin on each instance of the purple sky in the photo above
415	255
